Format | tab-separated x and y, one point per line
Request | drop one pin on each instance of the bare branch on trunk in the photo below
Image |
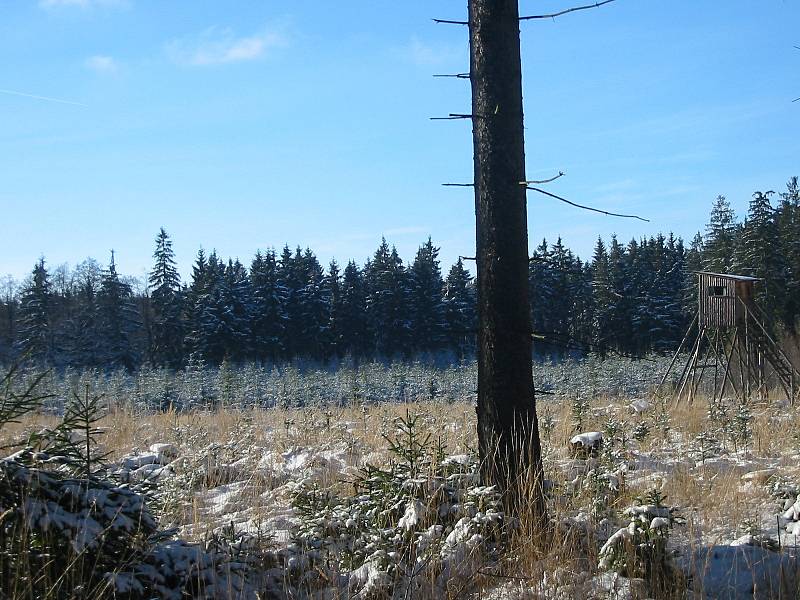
584	207
565	11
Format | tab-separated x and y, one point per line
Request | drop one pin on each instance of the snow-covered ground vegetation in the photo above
315	483
302	384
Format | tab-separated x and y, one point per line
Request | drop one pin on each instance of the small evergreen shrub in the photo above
412	526
69	528
640	549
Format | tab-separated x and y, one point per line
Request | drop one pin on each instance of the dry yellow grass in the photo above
454	424
713	502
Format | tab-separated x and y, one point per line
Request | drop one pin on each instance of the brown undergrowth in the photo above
719	491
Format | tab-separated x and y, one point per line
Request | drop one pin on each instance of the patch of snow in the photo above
151	472
793	512
415	511
659	523
726	466
607	550
458	459
590	439
295	459
368	580
132	462
166	452
222	499
333	460
741	572
760	476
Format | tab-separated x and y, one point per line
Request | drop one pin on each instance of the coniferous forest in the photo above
627	298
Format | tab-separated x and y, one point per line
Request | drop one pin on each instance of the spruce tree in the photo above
79	339
672	279
637	283
291	280
268	307
313	307
761	253
8	316
353	312
63	306
387	302
233	305
166	345
217	324
620	317
721	238
220	305
604	299
426	302
561	273
86	346
199	307
694	256
580	292
34	329
333	293
117	320
694	263
460	310
789	230
301	278
540	291
655	275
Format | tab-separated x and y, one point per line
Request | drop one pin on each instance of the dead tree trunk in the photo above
508	435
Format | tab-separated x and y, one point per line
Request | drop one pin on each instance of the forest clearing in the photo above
302	483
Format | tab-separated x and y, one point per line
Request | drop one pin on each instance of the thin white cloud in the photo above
81	3
101	64
412	230
37	97
619	185
216	46
54	3
330	245
431	54
698	121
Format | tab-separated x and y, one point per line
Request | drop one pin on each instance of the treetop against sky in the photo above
254	124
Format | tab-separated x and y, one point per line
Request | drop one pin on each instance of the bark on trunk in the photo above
507	428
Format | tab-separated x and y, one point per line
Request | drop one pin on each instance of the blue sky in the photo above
246	125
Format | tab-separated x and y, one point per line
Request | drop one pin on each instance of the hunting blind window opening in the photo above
716	290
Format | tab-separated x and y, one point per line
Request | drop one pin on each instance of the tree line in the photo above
629	298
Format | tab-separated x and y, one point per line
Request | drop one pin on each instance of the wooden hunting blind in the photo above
733	345
723	299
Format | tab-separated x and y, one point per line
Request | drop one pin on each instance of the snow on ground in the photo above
741	571
740	500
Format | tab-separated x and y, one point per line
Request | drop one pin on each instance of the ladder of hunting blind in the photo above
787	375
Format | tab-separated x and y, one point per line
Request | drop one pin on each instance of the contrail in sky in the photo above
35	97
